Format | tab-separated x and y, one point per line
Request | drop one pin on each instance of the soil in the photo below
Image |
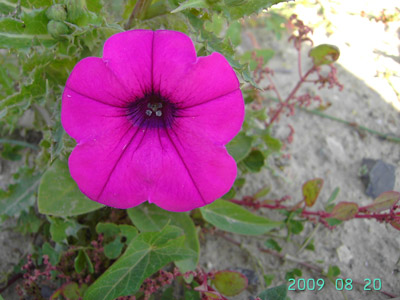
331	150
369	69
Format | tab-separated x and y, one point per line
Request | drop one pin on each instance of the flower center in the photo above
151	111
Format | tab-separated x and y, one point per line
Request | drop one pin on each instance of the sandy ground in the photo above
327	149
333	151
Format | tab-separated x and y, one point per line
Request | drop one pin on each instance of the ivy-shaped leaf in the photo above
152	218
145	255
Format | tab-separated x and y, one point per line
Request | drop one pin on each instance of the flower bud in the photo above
76	8
57	29
57	12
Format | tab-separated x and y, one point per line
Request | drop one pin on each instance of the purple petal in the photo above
129	55
124	157
119	169
184	78
92	96
195	172
176	171
218	120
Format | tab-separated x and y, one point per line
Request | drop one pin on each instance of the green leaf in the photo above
128	231
80	262
248	8
344	211
384	201
234	218
20	196
152	218
108	229
262	193
113	249
70	291
240	146
54	256
26	5
293	274
29	30
28	222
59	195
32	89
272	244
1	298
268	279
190	4
168	294
295	226
266	55
275	293
61	228
395	224
239	182
94	5
332	198
230	283
190	294
273	144
254	161
324	54
333	221
216	24
145	255
58	229
229	195
333	271
234	33
311	191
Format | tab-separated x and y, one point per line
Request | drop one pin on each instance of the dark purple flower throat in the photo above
152	111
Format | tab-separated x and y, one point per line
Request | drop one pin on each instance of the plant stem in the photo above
362	211
138	12
291	95
19	143
385	136
11	281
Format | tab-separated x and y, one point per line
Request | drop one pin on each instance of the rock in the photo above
377	176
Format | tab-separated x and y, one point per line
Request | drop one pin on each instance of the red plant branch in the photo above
362	213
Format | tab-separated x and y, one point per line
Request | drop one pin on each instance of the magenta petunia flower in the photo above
151	121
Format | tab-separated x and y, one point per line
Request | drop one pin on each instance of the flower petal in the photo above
117	170
177	173
218	120
195	172
184	78
129	55
92	98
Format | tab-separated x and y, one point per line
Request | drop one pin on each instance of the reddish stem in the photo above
362	214
290	97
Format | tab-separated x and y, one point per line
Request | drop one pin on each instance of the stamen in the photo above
151	111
